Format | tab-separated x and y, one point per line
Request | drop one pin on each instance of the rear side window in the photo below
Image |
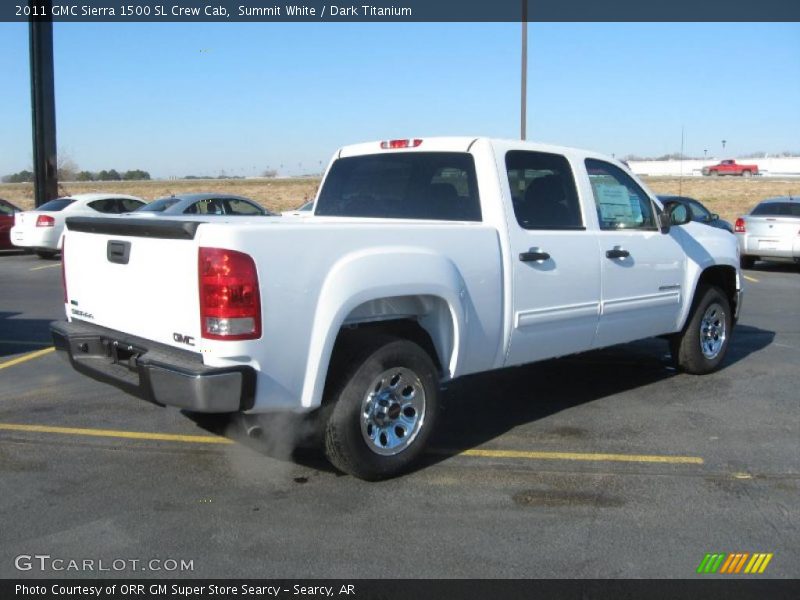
543	191
115	206
108	205
159	205
402	185
210	206
234	206
6	209
621	202
777	209
56	205
129	205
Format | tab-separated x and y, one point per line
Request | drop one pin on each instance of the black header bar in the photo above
365	11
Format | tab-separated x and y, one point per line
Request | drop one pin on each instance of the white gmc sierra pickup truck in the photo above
425	260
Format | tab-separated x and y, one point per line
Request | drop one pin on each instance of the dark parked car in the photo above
203	204
7	211
699	212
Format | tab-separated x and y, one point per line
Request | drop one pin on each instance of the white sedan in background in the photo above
41	229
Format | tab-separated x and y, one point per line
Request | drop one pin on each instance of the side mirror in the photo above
675	213
664	222
713	217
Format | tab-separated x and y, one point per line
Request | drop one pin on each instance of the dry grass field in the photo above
274	194
728	196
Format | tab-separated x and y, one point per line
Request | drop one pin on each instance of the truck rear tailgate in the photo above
138	276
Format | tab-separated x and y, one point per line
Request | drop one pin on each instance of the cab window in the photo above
402	185
543	191
621	203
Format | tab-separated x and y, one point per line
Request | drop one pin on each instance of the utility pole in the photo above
43	103
523	125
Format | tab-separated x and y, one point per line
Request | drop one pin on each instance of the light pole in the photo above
43	105
705	153
723	145
523	125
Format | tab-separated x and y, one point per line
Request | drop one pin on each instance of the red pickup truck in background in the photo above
730	167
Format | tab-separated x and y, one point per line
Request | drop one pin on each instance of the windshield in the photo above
56	205
158	205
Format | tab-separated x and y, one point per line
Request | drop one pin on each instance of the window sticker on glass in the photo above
615	204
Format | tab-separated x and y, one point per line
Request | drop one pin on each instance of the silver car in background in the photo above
771	231
203	204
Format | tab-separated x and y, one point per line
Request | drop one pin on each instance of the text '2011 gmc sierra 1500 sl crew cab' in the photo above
425	260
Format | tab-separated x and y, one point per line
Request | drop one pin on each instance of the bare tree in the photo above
67	168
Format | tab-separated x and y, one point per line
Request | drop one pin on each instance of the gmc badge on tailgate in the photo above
183	339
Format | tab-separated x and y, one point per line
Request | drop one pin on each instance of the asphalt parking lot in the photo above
607	464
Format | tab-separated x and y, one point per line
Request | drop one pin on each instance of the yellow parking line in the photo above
113	433
210	439
58	264
590	456
753	279
26	357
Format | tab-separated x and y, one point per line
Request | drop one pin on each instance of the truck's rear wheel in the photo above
747	173
702	344
385	407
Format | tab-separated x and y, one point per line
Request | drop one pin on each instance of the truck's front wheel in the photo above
701	346
384	410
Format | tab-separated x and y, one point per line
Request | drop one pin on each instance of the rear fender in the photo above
408	279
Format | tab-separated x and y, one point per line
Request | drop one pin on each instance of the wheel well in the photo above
351	340
408	329
723	277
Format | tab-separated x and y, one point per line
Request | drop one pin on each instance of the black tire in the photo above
747	262
46	254
714	173
747	173
346	441
685	346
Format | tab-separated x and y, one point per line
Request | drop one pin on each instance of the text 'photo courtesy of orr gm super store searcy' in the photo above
187	591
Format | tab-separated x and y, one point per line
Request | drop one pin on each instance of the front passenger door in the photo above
642	268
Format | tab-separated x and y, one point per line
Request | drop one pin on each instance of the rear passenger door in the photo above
642	268
556	285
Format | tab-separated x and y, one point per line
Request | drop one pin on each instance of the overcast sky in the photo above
177	99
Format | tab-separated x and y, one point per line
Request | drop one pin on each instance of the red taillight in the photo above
45	221
393	144
230	303
738	227
63	271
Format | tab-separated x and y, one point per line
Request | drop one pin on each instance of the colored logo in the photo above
735	563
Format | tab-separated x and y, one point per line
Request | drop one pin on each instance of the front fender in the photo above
706	247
